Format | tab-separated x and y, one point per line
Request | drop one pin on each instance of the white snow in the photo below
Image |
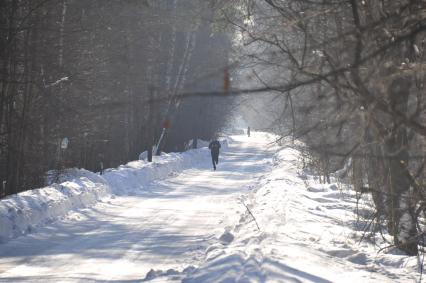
22	213
177	220
308	233
61	80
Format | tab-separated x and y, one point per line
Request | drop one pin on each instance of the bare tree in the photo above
354	74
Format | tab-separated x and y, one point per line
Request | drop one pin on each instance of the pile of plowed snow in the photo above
23	212
297	230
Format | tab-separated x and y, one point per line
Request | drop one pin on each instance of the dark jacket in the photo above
214	146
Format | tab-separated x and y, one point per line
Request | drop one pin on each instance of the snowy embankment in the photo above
296	230
23	212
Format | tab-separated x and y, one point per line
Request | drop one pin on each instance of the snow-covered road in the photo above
168	225
159	225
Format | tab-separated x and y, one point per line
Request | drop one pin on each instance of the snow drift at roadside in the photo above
308	232
23	212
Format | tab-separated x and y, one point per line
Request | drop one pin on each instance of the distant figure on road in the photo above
214	147
248	131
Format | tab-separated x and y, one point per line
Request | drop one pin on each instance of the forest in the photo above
349	79
91	84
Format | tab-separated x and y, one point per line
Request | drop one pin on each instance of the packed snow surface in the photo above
258	218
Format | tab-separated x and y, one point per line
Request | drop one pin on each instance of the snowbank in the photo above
23	212
308	232
136	175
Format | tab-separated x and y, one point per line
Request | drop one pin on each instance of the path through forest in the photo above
166	226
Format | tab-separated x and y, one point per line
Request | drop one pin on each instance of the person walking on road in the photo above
214	147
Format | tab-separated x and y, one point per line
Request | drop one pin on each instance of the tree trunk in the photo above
401	202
